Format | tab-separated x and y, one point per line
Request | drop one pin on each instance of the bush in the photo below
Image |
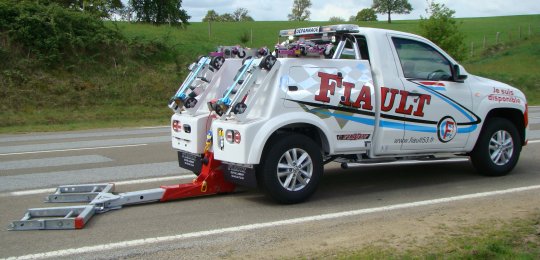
442	29
60	59
51	33
244	38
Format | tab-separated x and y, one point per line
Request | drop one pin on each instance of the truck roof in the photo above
327	31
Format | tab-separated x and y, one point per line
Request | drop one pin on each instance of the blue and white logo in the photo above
446	129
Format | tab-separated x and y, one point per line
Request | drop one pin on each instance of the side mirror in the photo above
456	76
192	66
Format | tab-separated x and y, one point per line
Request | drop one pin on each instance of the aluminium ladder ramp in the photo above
234	97
197	71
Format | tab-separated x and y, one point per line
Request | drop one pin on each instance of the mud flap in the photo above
190	161
241	175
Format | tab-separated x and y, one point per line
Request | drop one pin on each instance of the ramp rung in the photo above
54	218
79	193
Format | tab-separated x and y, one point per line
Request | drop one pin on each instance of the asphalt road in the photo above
31	164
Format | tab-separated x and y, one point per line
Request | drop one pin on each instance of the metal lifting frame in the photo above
101	199
249	81
179	98
225	100
249	74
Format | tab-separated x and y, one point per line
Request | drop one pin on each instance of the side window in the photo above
362	44
421	61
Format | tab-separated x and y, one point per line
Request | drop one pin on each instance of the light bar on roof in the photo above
338	28
341	28
284	33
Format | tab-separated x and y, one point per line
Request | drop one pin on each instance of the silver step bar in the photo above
347	165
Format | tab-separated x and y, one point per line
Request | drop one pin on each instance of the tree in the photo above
211	16
126	13
160	12
241	15
442	29
391	6
99	8
336	19
300	10
366	14
226	17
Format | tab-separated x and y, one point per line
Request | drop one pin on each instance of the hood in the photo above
488	84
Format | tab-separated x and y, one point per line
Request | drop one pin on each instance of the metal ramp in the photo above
185	95
233	100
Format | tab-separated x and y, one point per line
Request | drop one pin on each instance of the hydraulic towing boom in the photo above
100	198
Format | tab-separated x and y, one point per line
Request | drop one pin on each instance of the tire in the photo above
497	149
290	185
241	54
217	62
268	62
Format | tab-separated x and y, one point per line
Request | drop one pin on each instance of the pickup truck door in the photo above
435	109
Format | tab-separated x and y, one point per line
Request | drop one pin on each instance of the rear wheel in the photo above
291	169
497	150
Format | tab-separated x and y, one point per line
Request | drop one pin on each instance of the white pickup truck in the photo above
383	97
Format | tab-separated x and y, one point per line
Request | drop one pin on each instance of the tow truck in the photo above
383	97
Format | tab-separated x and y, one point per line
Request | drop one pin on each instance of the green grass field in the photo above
517	64
128	92
196	38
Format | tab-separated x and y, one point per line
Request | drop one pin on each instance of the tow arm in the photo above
101	199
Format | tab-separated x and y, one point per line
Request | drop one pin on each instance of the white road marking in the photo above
163	239
130	182
153	127
53	162
75	149
533	142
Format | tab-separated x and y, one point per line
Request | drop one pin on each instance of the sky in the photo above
321	10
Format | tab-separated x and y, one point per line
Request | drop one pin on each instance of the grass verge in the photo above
109	116
515	239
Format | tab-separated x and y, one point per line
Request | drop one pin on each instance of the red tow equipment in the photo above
101	199
210	181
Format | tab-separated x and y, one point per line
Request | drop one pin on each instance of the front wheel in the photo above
497	149
291	168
